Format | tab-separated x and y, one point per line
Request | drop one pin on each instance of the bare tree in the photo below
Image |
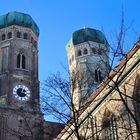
60	93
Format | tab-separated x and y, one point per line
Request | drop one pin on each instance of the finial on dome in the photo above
85	27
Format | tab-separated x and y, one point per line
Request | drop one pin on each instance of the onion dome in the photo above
88	34
21	19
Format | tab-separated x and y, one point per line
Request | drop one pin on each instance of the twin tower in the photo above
88	57
87	53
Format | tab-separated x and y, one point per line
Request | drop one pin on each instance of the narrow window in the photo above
79	53
9	35
99	51
18	34
25	36
35	43
99	75
85	51
18	61
94	50
21	61
3	36
109	128
32	40
96	76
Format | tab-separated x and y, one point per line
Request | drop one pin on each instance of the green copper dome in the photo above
17	18
88	34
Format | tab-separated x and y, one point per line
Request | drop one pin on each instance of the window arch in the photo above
109	127
19	34
3	37
21	62
98	76
85	51
79	53
25	36
9	35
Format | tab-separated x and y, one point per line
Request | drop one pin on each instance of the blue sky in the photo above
58	19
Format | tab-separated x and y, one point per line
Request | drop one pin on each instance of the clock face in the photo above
21	92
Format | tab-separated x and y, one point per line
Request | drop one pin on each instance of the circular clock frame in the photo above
21	92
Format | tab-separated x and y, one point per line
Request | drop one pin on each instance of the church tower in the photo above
19	84
87	52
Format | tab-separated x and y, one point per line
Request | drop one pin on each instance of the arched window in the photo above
94	50
9	35
21	61
3	37
85	51
109	127
79	53
25	36
98	76
18	34
18	60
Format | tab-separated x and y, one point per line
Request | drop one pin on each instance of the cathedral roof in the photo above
17	18
88	34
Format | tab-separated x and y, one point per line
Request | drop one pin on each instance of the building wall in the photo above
20	125
113	106
114	111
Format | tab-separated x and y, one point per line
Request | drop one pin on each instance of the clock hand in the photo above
22	90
